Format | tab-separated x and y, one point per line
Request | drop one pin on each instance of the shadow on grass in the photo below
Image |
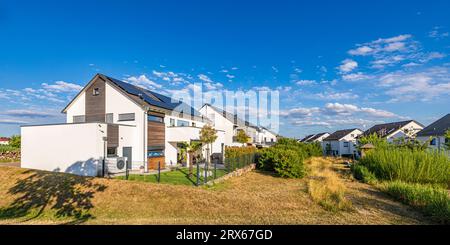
186	174
69	196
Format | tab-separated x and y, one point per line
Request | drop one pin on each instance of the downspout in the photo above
145	128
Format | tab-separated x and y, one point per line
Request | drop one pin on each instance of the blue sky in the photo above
337	64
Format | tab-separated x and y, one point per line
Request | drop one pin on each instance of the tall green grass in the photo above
408	165
6	148
432	200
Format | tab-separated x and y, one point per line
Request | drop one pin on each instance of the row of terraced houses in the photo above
110	120
345	142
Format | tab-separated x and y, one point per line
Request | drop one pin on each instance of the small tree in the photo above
207	136
191	149
447	139
242	137
15	141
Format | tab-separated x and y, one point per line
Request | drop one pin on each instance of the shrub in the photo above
361	173
15	141
432	200
408	165
238	157
8	148
282	160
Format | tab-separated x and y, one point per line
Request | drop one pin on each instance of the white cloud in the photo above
205	78
437	34
305	82
143	81
336	96
62	87
363	50
230	76
349	109
300	112
355	77
348	65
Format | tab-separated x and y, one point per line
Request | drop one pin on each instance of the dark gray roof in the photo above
383	130
307	137
437	128
339	134
153	98
315	137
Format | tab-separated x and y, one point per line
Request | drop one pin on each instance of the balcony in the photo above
181	134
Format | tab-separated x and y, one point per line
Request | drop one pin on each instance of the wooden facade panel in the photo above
96	104
156	134
153	163
113	135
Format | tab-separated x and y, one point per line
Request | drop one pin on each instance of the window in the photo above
109	118
345	144
111	151
96	91
126	117
433	141
155	118
193	124
172	122
182	123
79	119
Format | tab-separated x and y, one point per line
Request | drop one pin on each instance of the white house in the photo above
395	130
4	141
342	142
231	124
110	118
436	132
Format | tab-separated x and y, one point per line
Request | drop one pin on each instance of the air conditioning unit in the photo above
116	165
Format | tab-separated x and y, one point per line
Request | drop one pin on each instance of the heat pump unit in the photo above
117	165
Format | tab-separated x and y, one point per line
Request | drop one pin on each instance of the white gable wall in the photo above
77	108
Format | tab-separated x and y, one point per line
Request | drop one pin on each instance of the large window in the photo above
433	141
126	117
172	122
155	118
79	119
182	123
111	151
345	144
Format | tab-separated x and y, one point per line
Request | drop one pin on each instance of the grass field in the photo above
176	177
38	197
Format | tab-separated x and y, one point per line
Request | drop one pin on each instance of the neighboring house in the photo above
395	130
231	124
435	132
108	119
317	137
4	141
342	142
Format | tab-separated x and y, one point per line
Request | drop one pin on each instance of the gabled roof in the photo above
437	128
232	117
315	137
385	129
151	98
307	137
340	134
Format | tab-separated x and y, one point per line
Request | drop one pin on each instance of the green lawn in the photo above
176	177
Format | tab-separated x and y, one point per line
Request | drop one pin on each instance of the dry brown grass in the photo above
325	186
254	198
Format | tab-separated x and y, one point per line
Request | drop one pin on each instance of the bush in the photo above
284	161
310	149
15	141
238	157
8	148
432	200
361	173
408	165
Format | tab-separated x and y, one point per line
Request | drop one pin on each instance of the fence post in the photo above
215	168
198	174
205	169
159	171
126	172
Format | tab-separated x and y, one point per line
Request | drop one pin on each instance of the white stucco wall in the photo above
220	123
77	108
69	148
411	129
117	103
339	145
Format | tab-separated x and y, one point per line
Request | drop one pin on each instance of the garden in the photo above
410	173
11	152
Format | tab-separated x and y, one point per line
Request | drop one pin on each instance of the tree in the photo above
207	136
242	137
373	139
447	139
15	141
191	148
